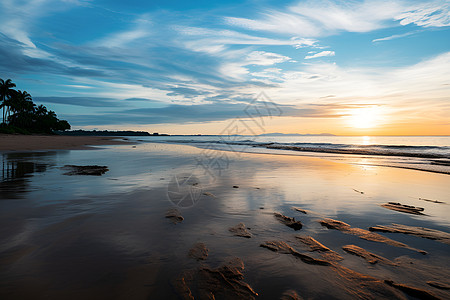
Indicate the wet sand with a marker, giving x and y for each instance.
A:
(12, 142)
(109, 236)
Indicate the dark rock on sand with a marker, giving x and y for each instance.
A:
(362, 286)
(303, 211)
(199, 251)
(439, 285)
(225, 282)
(282, 247)
(409, 209)
(357, 285)
(85, 170)
(368, 256)
(240, 230)
(433, 201)
(412, 291)
(427, 233)
(174, 215)
(288, 221)
(235, 186)
(364, 234)
(315, 246)
(290, 295)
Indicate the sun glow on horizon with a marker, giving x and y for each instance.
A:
(366, 117)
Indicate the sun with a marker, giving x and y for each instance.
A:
(366, 117)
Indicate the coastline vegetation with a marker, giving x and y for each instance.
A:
(20, 115)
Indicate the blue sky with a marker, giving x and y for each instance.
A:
(191, 66)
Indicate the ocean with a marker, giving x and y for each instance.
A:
(426, 153)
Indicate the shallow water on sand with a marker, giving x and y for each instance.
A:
(106, 236)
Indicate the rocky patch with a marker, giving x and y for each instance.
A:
(240, 230)
(423, 232)
(174, 215)
(288, 221)
(364, 234)
(282, 247)
(93, 170)
(409, 209)
(316, 246)
(199, 251)
(368, 256)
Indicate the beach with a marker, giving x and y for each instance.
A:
(164, 222)
(12, 142)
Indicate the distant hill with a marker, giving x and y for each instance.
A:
(295, 134)
(105, 133)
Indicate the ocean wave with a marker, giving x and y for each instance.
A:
(363, 150)
(419, 151)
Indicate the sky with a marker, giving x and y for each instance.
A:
(187, 67)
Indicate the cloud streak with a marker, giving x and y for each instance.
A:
(173, 114)
(428, 14)
(321, 54)
(395, 36)
(324, 18)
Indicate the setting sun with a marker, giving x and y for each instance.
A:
(367, 117)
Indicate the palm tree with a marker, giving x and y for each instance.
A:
(5, 92)
(20, 102)
(22, 106)
(41, 110)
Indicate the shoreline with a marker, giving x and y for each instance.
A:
(330, 158)
(14, 143)
(23, 143)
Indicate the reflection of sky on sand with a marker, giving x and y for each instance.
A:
(86, 226)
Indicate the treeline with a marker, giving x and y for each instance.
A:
(106, 133)
(21, 115)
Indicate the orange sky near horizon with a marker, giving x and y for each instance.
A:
(336, 126)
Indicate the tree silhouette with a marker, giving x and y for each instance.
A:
(22, 107)
(19, 111)
(5, 92)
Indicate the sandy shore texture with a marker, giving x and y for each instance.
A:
(156, 225)
(12, 142)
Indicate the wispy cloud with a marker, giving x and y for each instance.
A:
(323, 18)
(265, 58)
(80, 101)
(321, 54)
(395, 36)
(217, 41)
(18, 16)
(428, 14)
(280, 22)
(141, 29)
(352, 16)
(176, 114)
(425, 80)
